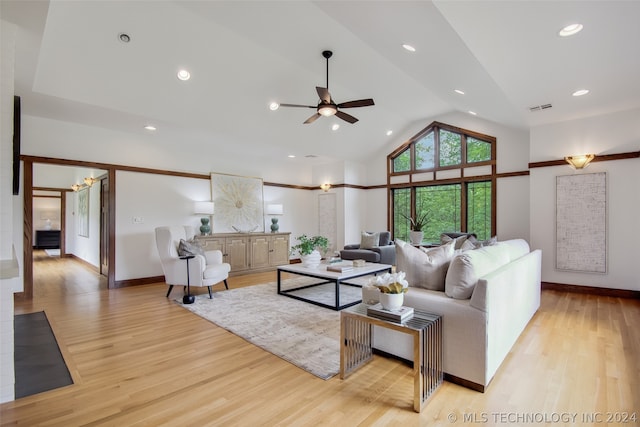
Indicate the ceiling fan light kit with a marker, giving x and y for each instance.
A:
(327, 107)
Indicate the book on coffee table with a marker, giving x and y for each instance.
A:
(399, 315)
(339, 268)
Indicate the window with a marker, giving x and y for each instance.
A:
(448, 173)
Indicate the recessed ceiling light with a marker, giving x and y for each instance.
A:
(459, 91)
(184, 75)
(291, 156)
(124, 37)
(409, 47)
(581, 92)
(570, 30)
(335, 126)
(274, 106)
(473, 113)
(389, 132)
(150, 127)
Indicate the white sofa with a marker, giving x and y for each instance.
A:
(478, 332)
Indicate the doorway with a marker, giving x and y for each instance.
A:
(86, 239)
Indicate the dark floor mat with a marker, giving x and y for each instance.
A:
(39, 365)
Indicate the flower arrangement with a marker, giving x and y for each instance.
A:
(309, 244)
(419, 221)
(390, 283)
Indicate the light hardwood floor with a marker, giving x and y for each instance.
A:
(139, 359)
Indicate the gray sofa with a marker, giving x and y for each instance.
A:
(383, 253)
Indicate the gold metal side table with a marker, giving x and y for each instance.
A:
(426, 329)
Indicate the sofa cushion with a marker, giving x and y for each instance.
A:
(517, 248)
(365, 254)
(369, 240)
(424, 268)
(467, 267)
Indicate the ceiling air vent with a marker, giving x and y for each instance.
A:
(311, 156)
(540, 107)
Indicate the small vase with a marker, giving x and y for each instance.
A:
(416, 237)
(391, 302)
(312, 260)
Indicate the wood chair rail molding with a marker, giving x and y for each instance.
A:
(116, 167)
(599, 158)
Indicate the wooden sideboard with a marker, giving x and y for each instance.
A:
(249, 252)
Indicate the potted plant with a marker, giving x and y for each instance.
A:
(392, 294)
(308, 249)
(416, 224)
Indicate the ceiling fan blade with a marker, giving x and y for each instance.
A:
(298, 105)
(312, 118)
(358, 103)
(324, 94)
(346, 117)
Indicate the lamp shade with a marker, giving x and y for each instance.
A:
(275, 210)
(204, 208)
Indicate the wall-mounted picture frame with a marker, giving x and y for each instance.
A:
(581, 222)
(83, 212)
(238, 204)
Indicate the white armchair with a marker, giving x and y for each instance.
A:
(204, 270)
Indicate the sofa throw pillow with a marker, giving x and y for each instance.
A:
(189, 247)
(458, 241)
(369, 240)
(424, 268)
(483, 243)
(385, 238)
(467, 267)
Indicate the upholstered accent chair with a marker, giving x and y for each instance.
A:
(373, 247)
(205, 268)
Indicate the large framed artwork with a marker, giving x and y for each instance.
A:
(238, 203)
(581, 222)
(83, 212)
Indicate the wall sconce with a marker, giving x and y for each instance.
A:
(580, 162)
(204, 208)
(274, 210)
(325, 187)
(77, 187)
(90, 181)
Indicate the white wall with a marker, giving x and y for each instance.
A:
(11, 277)
(613, 133)
(86, 248)
(160, 200)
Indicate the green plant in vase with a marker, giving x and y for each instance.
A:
(310, 244)
(417, 222)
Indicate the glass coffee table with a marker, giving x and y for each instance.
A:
(325, 276)
(426, 329)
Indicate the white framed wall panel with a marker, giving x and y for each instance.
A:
(581, 222)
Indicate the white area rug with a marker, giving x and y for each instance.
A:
(301, 333)
(52, 252)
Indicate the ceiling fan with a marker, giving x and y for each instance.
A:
(327, 107)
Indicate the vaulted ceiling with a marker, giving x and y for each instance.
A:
(242, 55)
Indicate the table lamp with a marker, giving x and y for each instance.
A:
(204, 208)
(275, 210)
